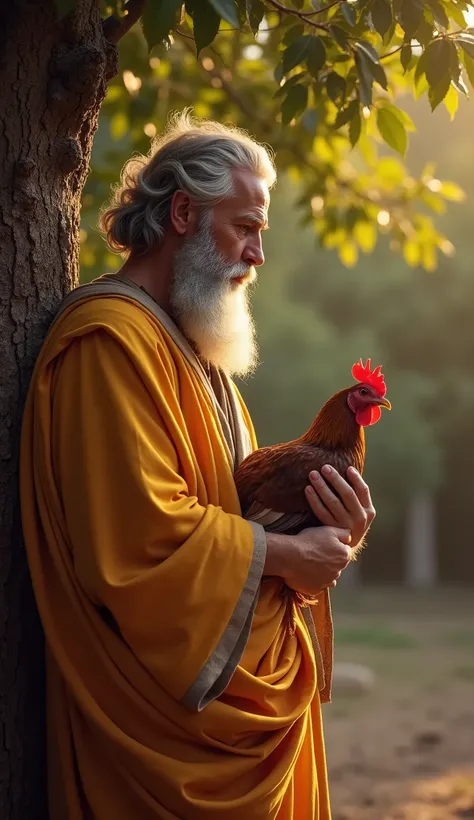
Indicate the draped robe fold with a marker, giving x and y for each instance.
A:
(175, 690)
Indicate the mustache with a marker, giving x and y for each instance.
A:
(239, 270)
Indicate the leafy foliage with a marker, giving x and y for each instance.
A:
(321, 82)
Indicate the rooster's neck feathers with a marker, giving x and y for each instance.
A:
(335, 426)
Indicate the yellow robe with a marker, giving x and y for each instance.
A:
(174, 688)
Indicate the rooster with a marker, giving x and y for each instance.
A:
(271, 481)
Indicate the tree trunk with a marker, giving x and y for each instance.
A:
(52, 82)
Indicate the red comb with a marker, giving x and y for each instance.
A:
(362, 373)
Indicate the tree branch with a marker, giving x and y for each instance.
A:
(115, 28)
(322, 10)
(300, 14)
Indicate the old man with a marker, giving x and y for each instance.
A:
(175, 688)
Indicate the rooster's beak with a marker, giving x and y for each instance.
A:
(384, 403)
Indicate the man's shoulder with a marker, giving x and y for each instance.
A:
(123, 320)
(122, 317)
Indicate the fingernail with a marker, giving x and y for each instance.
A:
(327, 469)
(310, 491)
(314, 475)
(353, 470)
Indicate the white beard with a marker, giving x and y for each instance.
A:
(211, 310)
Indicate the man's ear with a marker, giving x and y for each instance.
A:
(183, 214)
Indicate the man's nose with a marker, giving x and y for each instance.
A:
(253, 255)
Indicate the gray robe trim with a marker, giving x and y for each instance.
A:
(217, 672)
(221, 665)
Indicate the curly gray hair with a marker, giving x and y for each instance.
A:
(193, 156)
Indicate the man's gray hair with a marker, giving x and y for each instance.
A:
(193, 156)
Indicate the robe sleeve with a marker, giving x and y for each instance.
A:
(179, 578)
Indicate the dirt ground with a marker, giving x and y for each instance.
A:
(405, 749)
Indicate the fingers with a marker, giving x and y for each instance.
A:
(326, 502)
(362, 491)
(343, 535)
(319, 509)
(344, 490)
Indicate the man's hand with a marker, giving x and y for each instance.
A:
(310, 561)
(353, 510)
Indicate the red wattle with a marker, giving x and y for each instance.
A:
(368, 416)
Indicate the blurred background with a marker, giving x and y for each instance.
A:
(401, 729)
(315, 317)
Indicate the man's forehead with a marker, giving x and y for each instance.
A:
(250, 193)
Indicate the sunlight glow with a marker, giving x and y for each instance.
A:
(383, 218)
(252, 52)
(131, 82)
(469, 16)
(150, 129)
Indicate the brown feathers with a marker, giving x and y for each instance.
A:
(271, 481)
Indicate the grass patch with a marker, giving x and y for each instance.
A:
(460, 638)
(378, 637)
(464, 672)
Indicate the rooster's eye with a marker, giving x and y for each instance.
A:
(363, 391)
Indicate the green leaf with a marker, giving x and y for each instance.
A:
(406, 55)
(227, 9)
(421, 65)
(347, 114)
(381, 16)
(316, 55)
(467, 43)
(392, 130)
(280, 92)
(469, 66)
(451, 101)
(439, 13)
(295, 103)
(437, 93)
(456, 14)
(429, 256)
(425, 33)
(278, 72)
(438, 56)
(412, 253)
(296, 52)
(452, 192)
(391, 171)
(339, 35)
(336, 87)
(349, 13)
(365, 78)
(355, 127)
(410, 17)
(401, 115)
(460, 86)
(434, 202)
(158, 19)
(365, 234)
(205, 23)
(64, 7)
(255, 12)
(348, 253)
(378, 73)
(368, 50)
(293, 33)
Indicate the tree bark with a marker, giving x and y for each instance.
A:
(53, 77)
